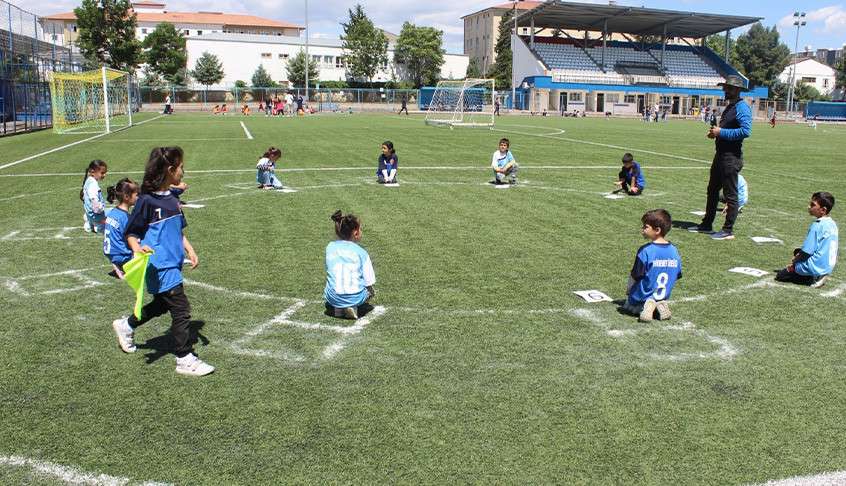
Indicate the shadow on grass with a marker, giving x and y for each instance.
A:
(684, 224)
(163, 345)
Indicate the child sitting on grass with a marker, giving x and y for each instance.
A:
(656, 268)
(504, 164)
(349, 271)
(813, 263)
(630, 179)
(386, 173)
(266, 169)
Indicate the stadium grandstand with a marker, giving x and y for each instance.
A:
(581, 69)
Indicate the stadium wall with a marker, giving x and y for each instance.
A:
(826, 111)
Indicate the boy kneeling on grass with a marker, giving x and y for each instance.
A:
(813, 263)
(656, 268)
(630, 179)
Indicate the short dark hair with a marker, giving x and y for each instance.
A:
(659, 219)
(628, 158)
(505, 141)
(825, 200)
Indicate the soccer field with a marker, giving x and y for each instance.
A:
(479, 363)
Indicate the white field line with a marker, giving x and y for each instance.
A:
(369, 168)
(159, 140)
(69, 475)
(35, 194)
(248, 295)
(837, 478)
(31, 234)
(31, 157)
(246, 132)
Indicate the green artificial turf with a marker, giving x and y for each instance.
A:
(484, 367)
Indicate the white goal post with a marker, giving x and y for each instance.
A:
(96, 101)
(462, 103)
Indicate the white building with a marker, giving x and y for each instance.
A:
(812, 72)
(241, 54)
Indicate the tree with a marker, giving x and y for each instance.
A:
(240, 84)
(419, 52)
(152, 80)
(717, 43)
(208, 70)
(107, 33)
(164, 52)
(841, 73)
(262, 79)
(473, 69)
(806, 92)
(761, 56)
(501, 69)
(296, 70)
(365, 46)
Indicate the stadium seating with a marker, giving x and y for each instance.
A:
(683, 66)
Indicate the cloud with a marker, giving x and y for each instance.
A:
(826, 20)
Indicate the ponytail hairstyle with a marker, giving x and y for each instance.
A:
(161, 160)
(93, 166)
(121, 191)
(272, 151)
(345, 225)
(390, 146)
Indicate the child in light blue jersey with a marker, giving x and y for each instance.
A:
(815, 260)
(504, 164)
(656, 268)
(124, 193)
(349, 271)
(92, 197)
(266, 169)
(157, 226)
(630, 179)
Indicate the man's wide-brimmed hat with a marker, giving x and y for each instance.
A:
(736, 81)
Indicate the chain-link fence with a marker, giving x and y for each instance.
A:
(27, 55)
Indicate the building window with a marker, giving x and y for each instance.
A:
(266, 55)
(806, 79)
(339, 62)
(283, 56)
(73, 27)
(630, 99)
(187, 32)
(327, 61)
(199, 32)
(575, 97)
(143, 31)
(825, 83)
(612, 97)
(666, 100)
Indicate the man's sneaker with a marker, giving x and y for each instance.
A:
(648, 311)
(346, 312)
(722, 235)
(513, 181)
(663, 309)
(701, 229)
(193, 366)
(125, 334)
(819, 282)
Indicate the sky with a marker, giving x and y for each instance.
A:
(826, 19)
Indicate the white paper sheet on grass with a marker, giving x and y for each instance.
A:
(766, 239)
(614, 196)
(593, 296)
(754, 272)
(193, 206)
(698, 213)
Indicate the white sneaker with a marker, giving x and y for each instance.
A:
(648, 311)
(663, 309)
(193, 366)
(125, 334)
(86, 227)
(819, 282)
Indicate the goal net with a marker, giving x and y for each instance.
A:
(91, 101)
(465, 103)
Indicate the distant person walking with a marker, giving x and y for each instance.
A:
(404, 105)
(168, 108)
(734, 126)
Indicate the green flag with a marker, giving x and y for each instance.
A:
(135, 271)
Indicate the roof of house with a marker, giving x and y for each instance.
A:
(209, 18)
(519, 5)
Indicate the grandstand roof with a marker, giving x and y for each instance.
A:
(630, 20)
(207, 18)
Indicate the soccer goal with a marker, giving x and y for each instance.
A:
(91, 101)
(465, 103)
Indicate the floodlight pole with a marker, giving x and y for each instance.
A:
(306, 50)
(798, 21)
(728, 44)
(513, 85)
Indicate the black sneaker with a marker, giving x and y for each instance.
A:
(701, 229)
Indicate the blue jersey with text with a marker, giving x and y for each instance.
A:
(635, 174)
(821, 243)
(656, 268)
(157, 221)
(114, 237)
(349, 272)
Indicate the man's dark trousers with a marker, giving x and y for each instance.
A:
(724, 171)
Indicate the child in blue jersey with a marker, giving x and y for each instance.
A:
(656, 268)
(630, 179)
(124, 193)
(742, 194)
(349, 271)
(266, 169)
(92, 197)
(386, 173)
(156, 226)
(813, 263)
(504, 164)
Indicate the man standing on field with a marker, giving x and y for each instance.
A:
(735, 125)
